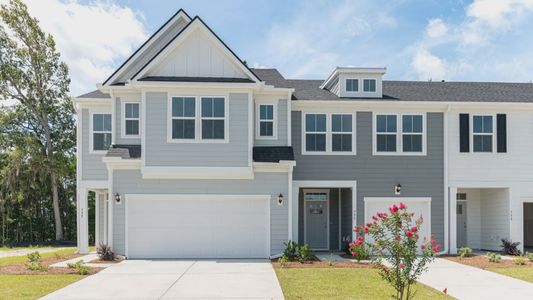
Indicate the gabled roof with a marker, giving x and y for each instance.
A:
(135, 57)
(96, 94)
(306, 89)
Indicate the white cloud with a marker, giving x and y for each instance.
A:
(428, 66)
(91, 37)
(436, 28)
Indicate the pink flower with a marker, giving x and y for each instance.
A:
(354, 253)
(409, 234)
(398, 238)
(432, 242)
(423, 246)
(401, 265)
(414, 229)
(366, 229)
(435, 248)
(374, 218)
(393, 208)
(402, 205)
(445, 291)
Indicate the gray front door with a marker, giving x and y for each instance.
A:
(316, 219)
(461, 224)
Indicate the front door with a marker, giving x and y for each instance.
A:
(316, 219)
(461, 224)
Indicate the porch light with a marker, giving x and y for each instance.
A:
(280, 199)
(117, 198)
(398, 189)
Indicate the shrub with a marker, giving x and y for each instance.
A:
(519, 261)
(283, 261)
(305, 254)
(105, 253)
(395, 239)
(294, 252)
(510, 248)
(79, 266)
(34, 256)
(34, 263)
(529, 256)
(465, 252)
(291, 250)
(358, 249)
(494, 257)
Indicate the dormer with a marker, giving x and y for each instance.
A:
(355, 82)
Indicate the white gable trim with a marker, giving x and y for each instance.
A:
(181, 14)
(196, 24)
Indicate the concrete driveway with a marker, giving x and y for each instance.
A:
(178, 279)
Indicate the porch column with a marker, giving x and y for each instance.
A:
(110, 201)
(83, 222)
(452, 195)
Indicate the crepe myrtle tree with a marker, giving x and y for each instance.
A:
(400, 255)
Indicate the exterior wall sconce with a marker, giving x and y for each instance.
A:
(398, 189)
(280, 199)
(117, 198)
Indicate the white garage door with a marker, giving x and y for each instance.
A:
(197, 226)
(419, 206)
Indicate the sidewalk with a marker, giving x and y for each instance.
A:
(25, 251)
(466, 282)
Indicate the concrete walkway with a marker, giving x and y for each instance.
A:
(178, 279)
(466, 282)
(87, 259)
(25, 251)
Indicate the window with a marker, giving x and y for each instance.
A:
(399, 134)
(482, 133)
(101, 132)
(386, 132)
(369, 85)
(213, 120)
(315, 132)
(266, 119)
(352, 85)
(341, 136)
(183, 118)
(131, 120)
(412, 133)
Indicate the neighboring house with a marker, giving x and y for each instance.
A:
(191, 154)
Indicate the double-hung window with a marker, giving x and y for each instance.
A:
(369, 85)
(352, 85)
(267, 121)
(213, 118)
(399, 134)
(482, 133)
(341, 132)
(183, 118)
(315, 132)
(101, 131)
(131, 119)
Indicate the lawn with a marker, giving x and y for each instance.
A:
(517, 272)
(22, 258)
(341, 283)
(33, 286)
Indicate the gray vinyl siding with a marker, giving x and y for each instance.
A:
(119, 122)
(150, 51)
(420, 176)
(92, 166)
(282, 127)
(131, 182)
(161, 153)
(346, 217)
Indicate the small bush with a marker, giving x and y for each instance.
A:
(34, 256)
(465, 252)
(529, 256)
(291, 250)
(283, 261)
(294, 252)
(358, 249)
(34, 263)
(510, 248)
(519, 261)
(79, 266)
(494, 257)
(105, 253)
(305, 254)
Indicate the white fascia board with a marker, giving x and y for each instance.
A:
(91, 101)
(197, 172)
(118, 163)
(283, 166)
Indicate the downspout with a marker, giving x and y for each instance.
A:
(446, 187)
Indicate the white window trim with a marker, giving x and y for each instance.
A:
(329, 133)
(399, 134)
(198, 121)
(123, 118)
(91, 132)
(493, 134)
(358, 84)
(363, 85)
(258, 135)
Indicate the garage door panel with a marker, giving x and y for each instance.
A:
(198, 227)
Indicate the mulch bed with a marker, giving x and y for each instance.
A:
(482, 262)
(321, 264)
(99, 261)
(20, 268)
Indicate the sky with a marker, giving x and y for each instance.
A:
(479, 40)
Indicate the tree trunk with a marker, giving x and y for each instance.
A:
(53, 177)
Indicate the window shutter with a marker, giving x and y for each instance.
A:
(464, 133)
(501, 133)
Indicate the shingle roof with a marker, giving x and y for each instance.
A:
(96, 94)
(272, 154)
(124, 151)
(410, 90)
(195, 79)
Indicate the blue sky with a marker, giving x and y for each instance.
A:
(479, 40)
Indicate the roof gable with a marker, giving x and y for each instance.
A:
(195, 52)
(151, 47)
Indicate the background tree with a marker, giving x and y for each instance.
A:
(38, 131)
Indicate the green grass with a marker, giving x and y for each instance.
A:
(33, 286)
(339, 283)
(523, 273)
(22, 258)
